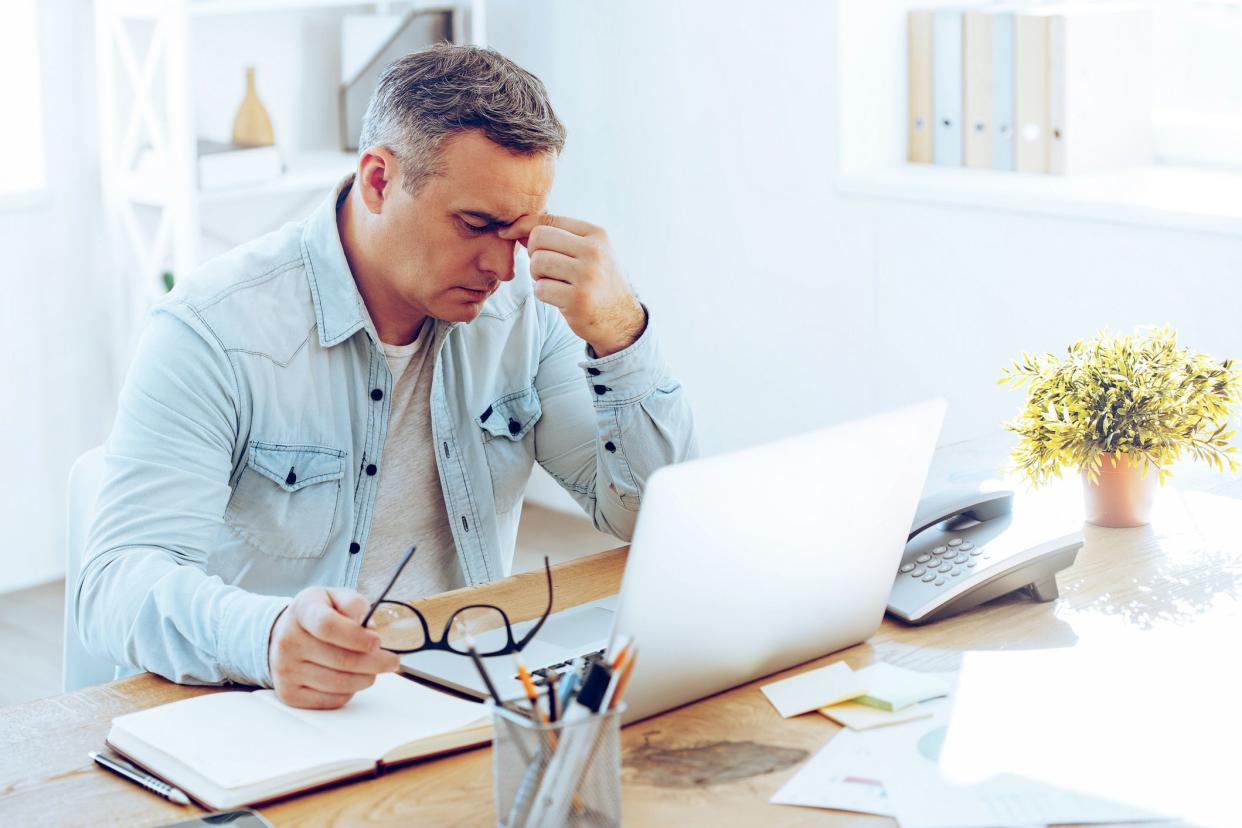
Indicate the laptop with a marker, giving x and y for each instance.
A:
(741, 565)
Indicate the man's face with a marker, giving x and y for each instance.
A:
(442, 255)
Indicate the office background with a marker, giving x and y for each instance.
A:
(742, 157)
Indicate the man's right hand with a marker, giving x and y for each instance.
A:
(319, 653)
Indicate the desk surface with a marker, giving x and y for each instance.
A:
(719, 759)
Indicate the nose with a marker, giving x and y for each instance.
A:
(497, 258)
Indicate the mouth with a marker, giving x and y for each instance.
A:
(478, 294)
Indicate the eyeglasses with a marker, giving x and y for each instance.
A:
(403, 629)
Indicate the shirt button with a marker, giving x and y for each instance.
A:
(514, 426)
(371, 470)
(601, 389)
(377, 394)
(353, 548)
(593, 372)
(291, 479)
(610, 446)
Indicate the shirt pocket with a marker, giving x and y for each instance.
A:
(286, 499)
(507, 425)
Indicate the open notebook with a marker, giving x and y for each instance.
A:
(241, 748)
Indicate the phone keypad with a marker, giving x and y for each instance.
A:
(945, 562)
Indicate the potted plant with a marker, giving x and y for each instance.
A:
(1117, 408)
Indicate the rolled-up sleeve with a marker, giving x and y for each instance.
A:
(608, 423)
(143, 597)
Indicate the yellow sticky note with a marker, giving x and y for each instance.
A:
(813, 689)
(889, 687)
(858, 716)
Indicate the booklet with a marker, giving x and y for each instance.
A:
(240, 748)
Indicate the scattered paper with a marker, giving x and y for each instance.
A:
(892, 688)
(859, 716)
(813, 689)
(841, 776)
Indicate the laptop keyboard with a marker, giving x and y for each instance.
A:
(540, 674)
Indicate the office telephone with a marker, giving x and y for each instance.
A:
(966, 548)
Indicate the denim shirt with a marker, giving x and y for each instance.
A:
(243, 464)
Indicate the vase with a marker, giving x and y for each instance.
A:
(1123, 495)
(252, 127)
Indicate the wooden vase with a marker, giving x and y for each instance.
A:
(1123, 496)
(252, 127)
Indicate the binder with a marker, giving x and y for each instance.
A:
(1002, 91)
(919, 89)
(1101, 88)
(977, 125)
(1031, 35)
(947, 86)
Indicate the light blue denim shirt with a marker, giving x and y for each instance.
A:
(243, 464)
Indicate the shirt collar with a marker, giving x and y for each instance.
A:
(338, 305)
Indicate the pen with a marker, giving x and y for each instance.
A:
(531, 693)
(135, 774)
(552, 679)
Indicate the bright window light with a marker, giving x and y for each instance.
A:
(21, 137)
(1198, 102)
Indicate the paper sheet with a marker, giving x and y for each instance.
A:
(813, 689)
(889, 687)
(841, 776)
(859, 716)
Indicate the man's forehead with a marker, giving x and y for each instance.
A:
(485, 179)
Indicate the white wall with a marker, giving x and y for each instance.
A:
(54, 368)
(704, 137)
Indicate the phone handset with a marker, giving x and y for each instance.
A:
(975, 506)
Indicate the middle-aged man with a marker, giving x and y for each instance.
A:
(383, 374)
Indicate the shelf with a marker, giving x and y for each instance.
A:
(1171, 198)
(305, 172)
(210, 8)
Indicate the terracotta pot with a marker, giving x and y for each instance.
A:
(1123, 497)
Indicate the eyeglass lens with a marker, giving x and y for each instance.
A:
(398, 627)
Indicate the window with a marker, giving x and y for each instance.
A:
(22, 163)
(1198, 95)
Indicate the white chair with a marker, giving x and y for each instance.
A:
(81, 669)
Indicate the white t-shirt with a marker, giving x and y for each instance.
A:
(409, 504)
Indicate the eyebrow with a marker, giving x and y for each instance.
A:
(487, 217)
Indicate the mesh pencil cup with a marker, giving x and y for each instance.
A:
(567, 773)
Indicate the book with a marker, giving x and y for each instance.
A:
(947, 86)
(1002, 91)
(236, 748)
(1031, 35)
(1101, 87)
(223, 165)
(977, 56)
(919, 44)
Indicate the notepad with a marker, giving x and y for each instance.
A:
(858, 716)
(892, 688)
(813, 689)
(240, 748)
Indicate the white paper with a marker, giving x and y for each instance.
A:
(841, 776)
(1149, 718)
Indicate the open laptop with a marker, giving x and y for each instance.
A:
(742, 565)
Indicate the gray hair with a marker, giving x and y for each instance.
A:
(430, 95)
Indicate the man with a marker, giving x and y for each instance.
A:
(383, 374)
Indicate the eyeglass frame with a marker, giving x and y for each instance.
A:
(513, 645)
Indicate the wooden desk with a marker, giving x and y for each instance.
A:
(718, 760)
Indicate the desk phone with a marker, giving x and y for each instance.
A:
(968, 548)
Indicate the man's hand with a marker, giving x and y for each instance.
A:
(575, 270)
(319, 653)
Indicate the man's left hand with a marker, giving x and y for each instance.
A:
(574, 269)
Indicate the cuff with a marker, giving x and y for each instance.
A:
(244, 636)
(630, 374)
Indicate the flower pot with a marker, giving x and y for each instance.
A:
(1123, 497)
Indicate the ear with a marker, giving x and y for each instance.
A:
(377, 175)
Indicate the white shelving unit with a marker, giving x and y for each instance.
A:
(147, 68)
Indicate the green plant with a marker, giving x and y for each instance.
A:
(1138, 395)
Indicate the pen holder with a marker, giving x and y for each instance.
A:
(567, 773)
